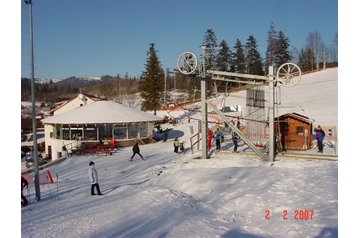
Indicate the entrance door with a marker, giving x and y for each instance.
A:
(49, 149)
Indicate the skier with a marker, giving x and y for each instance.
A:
(136, 150)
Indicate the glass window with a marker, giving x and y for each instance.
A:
(299, 130)
(65, 133)
(120, 132)
(105, 131)
(143, 130)
(90, 132)
(132, 131)
(76, 133)
(57, 132)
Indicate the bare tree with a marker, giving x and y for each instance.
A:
(315, 43)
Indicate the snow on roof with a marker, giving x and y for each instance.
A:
(101, 112)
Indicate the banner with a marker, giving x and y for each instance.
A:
(45, 177)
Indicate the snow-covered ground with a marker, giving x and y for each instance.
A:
(178, 195)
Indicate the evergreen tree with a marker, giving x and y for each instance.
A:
(282, 53)
(211, 43)
(224, 60)
(271, 48)
(151, 83)
(253, 58)
(238, 58)
(211, 56)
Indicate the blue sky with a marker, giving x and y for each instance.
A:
(110, 37)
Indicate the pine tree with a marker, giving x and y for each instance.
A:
(211, 43)
(238, 58)
(224, 60)
(211, 56)
(282, 53)
(253, 58)
(151, 83)
(271, 48)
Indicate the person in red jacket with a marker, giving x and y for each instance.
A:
(24, 183)
(210, 138)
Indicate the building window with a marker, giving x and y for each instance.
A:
(76, 133)
(105, 131)
(299, 130)
(65, 133)
(133, 130)
(57, 132)
(143, 130)
(90, 132)
(120, 132)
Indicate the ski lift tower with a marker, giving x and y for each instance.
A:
(288, 74)
(188, 65)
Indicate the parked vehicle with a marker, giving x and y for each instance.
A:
(29, 157)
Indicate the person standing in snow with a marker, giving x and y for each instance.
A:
(319, 137)
(93, 175)
(210, 138)
(166, 133)
(136, 150)
(176, 144)
(24, 183)
(235, 139)
(217, 135)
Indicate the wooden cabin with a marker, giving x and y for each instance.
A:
(294, 131)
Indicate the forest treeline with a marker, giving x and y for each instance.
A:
(155, 83)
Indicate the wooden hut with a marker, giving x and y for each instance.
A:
(294, 131)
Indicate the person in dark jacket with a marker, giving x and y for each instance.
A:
(24, 183)
(92, 172)
(319, 137)
(136, 150)
(235, 140)
(218, 138)
(166, 133)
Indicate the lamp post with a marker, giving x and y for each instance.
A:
(34, 130)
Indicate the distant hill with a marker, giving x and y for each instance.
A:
(75, 81)
(57, 89)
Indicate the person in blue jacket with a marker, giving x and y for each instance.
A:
(319, 137)
(217, 135)
(92, 172)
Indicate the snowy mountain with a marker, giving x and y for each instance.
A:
(41, 81)
(89, 78)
